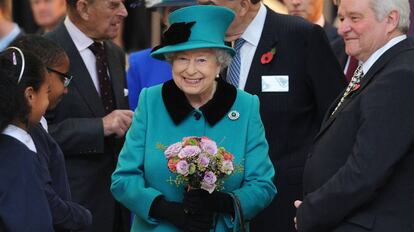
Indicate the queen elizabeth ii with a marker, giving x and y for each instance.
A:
(194, 103)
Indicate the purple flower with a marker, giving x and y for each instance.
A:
(189, 151)
(209, 146)
(209, 181)
(227, 167)
(208, 187)
(203, 161)
(173, 150)
(182, 167)
(209, 177)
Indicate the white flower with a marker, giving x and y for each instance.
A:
(227, 167)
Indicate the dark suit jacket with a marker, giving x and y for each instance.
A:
(292, 118)
(359, 173)
(66, 215)
(23, 204)
(337, 43)
(76, 124)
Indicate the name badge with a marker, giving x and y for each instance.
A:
(276, 83)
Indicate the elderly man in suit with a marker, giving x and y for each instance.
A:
(288, 63)
(89, 124)
(358, 176)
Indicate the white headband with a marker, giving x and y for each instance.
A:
(15, 63)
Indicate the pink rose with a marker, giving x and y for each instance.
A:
(173, 150)
(208, 145)
(182, 167)
(189, 151)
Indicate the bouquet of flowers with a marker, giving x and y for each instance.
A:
(199, 163)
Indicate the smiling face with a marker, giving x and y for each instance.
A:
(194, 72)
(103, 18)
(363, 33)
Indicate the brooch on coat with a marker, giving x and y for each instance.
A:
(234, 115)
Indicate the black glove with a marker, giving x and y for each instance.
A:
(175, 213)
(199, 200)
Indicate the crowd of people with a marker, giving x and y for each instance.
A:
(316, 121)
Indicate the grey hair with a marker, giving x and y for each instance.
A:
(382, 8)
(222, 55)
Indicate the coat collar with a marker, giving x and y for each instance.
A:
(214, 110)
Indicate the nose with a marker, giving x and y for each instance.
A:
(191, 68)
(123, 11)
(296, 2)
(344, 27)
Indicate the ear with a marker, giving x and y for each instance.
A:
(393, 19)
(82, 6)
(244, 7)
(218, 71)
(29, 95)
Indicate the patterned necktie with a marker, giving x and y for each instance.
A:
(234, 67)
(105, 86)
(356, 78)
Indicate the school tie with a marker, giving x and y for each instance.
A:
(234, 67)
(105, 86)
(356, 78)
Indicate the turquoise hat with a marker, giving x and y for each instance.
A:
(193, 27)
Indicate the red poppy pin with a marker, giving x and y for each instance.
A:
(268, 56)
(356, 87)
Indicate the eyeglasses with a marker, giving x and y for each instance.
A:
(65, 76)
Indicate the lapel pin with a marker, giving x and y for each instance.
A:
(234, 115)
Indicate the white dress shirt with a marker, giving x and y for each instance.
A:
(43, 122)
(6, 40)
(21, 135)
(252, 36)
(82, 42)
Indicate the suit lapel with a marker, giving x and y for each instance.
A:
(368, 78)
(116, 74)
(268, 40)
(82, 80)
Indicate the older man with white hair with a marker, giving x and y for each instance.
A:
(358, 176)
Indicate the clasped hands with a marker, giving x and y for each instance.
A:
(196, 213)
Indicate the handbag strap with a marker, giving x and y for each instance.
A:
(238, 211)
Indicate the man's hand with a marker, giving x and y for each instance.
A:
(297, 205)
(117, 122)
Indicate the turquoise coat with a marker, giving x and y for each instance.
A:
(164, 117)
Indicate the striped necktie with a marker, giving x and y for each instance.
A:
(234, 68)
